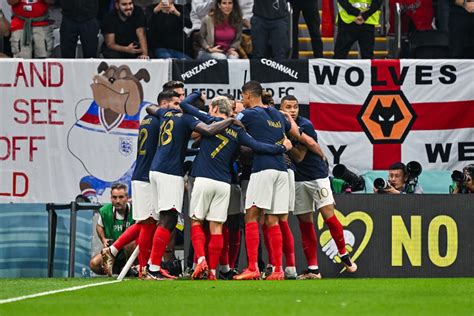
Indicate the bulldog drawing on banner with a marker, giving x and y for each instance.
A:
(103, 138)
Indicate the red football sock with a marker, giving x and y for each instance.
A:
(215, 248)
(198, 239)
(267, 242)
(129, 235)
(145, 241)
(252, 239)
(224, 259)
(288, 244)
(337, 234)
(276, 244)
(234, 246)
(207, 233)
(310, 243)
(160, 240)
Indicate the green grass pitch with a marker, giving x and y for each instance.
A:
(315, 297)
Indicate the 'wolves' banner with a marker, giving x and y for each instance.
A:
(70, 127)
(370, 114)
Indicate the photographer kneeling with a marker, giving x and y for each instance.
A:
(400, 180)
(463, 182)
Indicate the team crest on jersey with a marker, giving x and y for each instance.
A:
(125, 146)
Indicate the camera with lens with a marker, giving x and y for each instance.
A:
(381, 184)
(460, 177)
(414, 170)
(353, 181)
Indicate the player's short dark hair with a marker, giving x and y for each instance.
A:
(167, 95)
(288, 97)
(253, 87)
(229, 96)
(119, 186)
(267, 98)
(399, 166)
(173, 84)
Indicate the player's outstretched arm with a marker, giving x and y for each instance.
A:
(152, 109)
(214, 128)
(260, 147)
(187, 107)
(311, 144)
(298, 153)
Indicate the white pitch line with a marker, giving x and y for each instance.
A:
(75, 288)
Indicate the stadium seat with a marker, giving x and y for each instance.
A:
(429, 44)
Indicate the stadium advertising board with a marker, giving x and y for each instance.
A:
(398, 236)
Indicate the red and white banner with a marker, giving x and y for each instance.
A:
(69, 126)
(370, 114)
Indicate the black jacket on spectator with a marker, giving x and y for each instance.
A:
(166, 30)
(270, 9)
(80, 10)
(125, 31)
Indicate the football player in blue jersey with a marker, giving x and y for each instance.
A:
(211, 193)
(313, 188)
(144, 213)
(166, 175)
(268, 187)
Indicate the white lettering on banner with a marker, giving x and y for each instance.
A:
(282, 68)
(194, 71)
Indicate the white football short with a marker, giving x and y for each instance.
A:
(142, 201)
(269, 190)
(235, 203)
(291, 186)
(310, 193)
(210, 200)
(167, 191)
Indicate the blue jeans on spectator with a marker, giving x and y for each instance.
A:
(165, 53)
(273, 32)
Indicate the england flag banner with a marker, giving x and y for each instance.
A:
(70, 127)
(370, 114)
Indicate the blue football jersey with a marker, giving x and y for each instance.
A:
(147, 142)
(175, 130)
(217, 153)
(267, 125)
(312, 166)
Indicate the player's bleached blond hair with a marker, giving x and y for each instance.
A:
(223, 104)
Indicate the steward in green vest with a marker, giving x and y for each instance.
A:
(356, 23)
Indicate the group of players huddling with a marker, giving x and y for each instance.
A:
(282, 169)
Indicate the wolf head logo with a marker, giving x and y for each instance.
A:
(386, 116)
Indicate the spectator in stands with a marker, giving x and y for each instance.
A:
(147, 6)
(270, 24)
(310, 11)
(79, 20)
(464, 185)
(461, 29)
(221, 31)
(124, 32)
(398, 182)
(4, 25)
(356, 23)
(114, 219)
(165, 34)
(31, 34)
